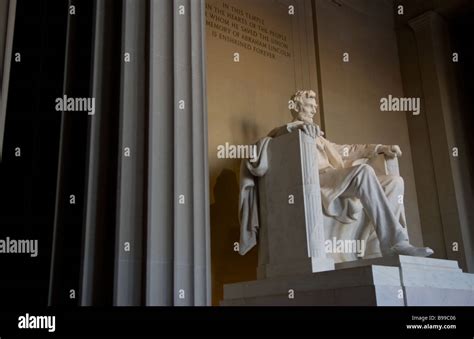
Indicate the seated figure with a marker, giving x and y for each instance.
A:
(348, 184)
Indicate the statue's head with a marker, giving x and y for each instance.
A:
(303, 105)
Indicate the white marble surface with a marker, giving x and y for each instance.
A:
(300, 173)
(292, 235)
(405, 261)
(360, 276)
(394, 281)
(370, 285)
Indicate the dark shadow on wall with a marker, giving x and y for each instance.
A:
(461, 34)
(249, 130)
(227, 265)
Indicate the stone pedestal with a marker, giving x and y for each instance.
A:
(393, 281)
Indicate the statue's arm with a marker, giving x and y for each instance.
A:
(357, 151)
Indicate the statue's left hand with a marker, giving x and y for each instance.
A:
(391, 151)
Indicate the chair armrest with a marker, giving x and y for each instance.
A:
(383, 165)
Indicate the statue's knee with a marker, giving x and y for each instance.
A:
(365, 174)
(367, 170)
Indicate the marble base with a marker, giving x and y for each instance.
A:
(393, 281)
(296, 267)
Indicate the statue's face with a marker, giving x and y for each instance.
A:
(307, 110)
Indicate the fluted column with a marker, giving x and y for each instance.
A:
(202, 255)
(131, 188)
(159, 280)
(100, 203)
(178, 223)
(147, 175)
(7, 25)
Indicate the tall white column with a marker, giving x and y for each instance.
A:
(178, 267)
(160, 247)
(131, 187)
(156, 199)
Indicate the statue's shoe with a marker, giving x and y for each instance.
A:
(404, 248)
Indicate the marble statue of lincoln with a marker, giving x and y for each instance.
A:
(345, 180)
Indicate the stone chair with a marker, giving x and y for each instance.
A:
(293, 228)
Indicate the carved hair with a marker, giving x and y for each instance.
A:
(297, 100)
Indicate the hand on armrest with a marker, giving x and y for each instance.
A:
(391, 151)
(384, 165)
(313, 130)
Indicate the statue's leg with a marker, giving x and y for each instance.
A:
(368, 189)
(394, 189)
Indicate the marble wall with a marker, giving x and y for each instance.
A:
(247, 99)
(352, 91)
